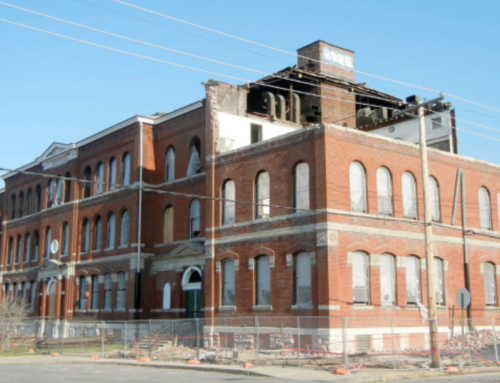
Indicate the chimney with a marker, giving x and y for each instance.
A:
(333, 60)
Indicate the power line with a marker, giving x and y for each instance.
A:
(297, 55)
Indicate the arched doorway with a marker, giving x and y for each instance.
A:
(191, 283)
(52, 298)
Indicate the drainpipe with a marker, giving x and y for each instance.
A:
(139, 231)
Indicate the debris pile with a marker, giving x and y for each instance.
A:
(475, 339)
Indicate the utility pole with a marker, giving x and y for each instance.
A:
(429, 252)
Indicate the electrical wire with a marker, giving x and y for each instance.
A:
(300, 56)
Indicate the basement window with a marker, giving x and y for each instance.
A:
(256, 133)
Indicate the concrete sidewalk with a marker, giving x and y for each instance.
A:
(288, 373)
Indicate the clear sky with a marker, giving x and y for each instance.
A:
(58, 90)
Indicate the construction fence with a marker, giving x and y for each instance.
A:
(316, 342)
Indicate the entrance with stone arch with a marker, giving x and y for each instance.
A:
(191, 284)
(52, 298)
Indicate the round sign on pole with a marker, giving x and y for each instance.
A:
(463, 298)
(54, 246)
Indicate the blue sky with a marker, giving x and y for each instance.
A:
(58, 90)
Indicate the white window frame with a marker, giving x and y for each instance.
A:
(124, 228)
(262, 195)
(303, 279)
(263, 281)
(484, 208)
(434, 197)
(387, 280)
(112, 174)
(110, 238)
(108, 291)
(439, 281)
(384, 191)
(301, 186)
(357, 187)
(170, 164)
(361, 278)
(94, 298)
(121, 291)
(228, 203)
(490, 286)
(126, 169)
(167, 296)
(228, 283)
(409, 193)
(194, 219)
(99, 187)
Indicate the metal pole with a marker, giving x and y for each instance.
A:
(149, 337)
(393, 345)
(298, 340)
(344, 342)
(257, 342)
(197, 339)
(125, 340)
(102, 339)
(494, 338)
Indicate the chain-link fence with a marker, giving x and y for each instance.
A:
(315, 342)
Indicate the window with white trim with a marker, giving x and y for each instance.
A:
(484, 208)
(387, 279)
(85, 235)
(490, 286)
(97, 244)
(357, 187)
(170, 165)
(82, 291)
(99, 187)
(263, 281)
(48, 240)
(121, 291)
(301, 186)
(27, 248)
(439, 281)
(19, 246)
(108, 286)
(65, 239)
(228, 283)
(194, 219)
(59, 186)
(412, 280)
(228, 204)
(360, 277)
(384, 191)
(434, 197)
(302, 280)
(110, 239)
(94, 298)
(124, 228)
(166, 296)
(126, 169)
(50, 193)
(409, 188)
(112, 174)
(262, 196)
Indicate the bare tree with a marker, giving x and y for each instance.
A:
(12, 314)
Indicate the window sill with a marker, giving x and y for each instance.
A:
(227, 308)
(109, 249)
(439, 307)
(84, 253)
(105, 310)
(120, 310)
(262, 308)
(93, 310)
(362, 307)
(77, 311)
(96, 251)
(302, 307)
(492, 308)
(122, 247)
(390, 308)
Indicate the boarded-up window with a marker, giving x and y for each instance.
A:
(484, 208)
(439, 280)
(301, 186)
(97, 234)
(124, 228)
(263, 281)
(168, 225)
(409, 188)
(412, 280)
(95, 293)
(112, 174)
(121, 293)
(194, 219)
(99, 178)
(170, 165)
(434, 196)
(85, 235)
(110, 244)
(384, 191)
(262, 195)
(360, 277)
(228, 204)
(126, 169)
(166, 296)
(303, 293)
(357, 184)
(490, 287)
(387, 280)
(228, 283)
(107, 291)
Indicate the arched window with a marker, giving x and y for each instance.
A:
(384, 191)
(439, 281)
(166, 296)
(107, 291)
(65, 239)
(16, 291)
(10, 251)
(48, 240)
(36, 245)
(301, 186)
(387, 280)
(27, 248)
(12, 206)
(360, 277)
(110, 244)
(87, 187)
(168, 225)
(263, 281)
(126, 169)
(85, 235)
(32, 295)
(194, 219)
(170, 165)
(38, 198)
(59, 187)
(67, 187)
(82, 291)
(19, 246)
(490, 286)
(99, 177)
(484, 208)
(21, 204)
(121, 291)
(409, 188)
(357, 184)
(262, 196)
(228, 283)
(24, 289)
(112, 174)
(94, 298)
(97, 244)
(228, 204)
(29, 205)
(124, 228)
(194, 165)
(50, 193)
(434, 194)
(302, 279)
(412, 280)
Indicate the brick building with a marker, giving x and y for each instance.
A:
(327, 219)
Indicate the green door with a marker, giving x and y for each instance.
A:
(193, 304)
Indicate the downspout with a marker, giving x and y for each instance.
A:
(139, 230)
